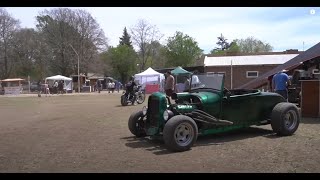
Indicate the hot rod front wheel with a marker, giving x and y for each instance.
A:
(180, 133)
(136, 124)
(285, 119)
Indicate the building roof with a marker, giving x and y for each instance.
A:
(248, 60)
(12, 80)
(95, 76)
(309, 54)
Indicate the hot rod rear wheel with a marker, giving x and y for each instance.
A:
(136, 124)
(180, 133)
(285, 119)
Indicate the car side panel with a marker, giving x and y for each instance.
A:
(249, 108)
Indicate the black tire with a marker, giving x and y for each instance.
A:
(285, 119)
(136, 124)
(124, 100)
(140, 98)
(172, 129)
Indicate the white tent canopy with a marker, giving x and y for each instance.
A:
(150, 76)
(67, 81)
(58, 78)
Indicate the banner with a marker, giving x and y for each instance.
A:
(12, 90)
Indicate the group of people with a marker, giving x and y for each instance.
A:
(56, 88)
(111, 86)
(170, 82)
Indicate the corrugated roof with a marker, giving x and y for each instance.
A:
(248, 60)
(309, 54)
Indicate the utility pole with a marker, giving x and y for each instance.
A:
(78, 67)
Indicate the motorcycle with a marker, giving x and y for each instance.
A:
(139, 96)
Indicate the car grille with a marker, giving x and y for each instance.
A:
(153, 110)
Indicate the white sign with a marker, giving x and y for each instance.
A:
(12, 90)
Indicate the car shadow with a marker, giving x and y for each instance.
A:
(154, 145)
(157, 146)
(310, 120)
(220, 139)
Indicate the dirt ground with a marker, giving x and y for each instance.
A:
(89, 133)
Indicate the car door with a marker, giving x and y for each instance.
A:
(240, 109)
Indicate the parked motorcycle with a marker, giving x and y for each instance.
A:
(139, 96)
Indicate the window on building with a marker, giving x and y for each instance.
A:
(252, 74)
(210, 73)
(222, 73)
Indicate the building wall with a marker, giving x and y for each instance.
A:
(239, 73)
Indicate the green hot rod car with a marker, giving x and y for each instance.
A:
(209, 108)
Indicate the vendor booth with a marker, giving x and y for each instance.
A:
(151, 80)
(180, 75)
(12, 86)
(67, 82)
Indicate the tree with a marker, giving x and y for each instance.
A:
(8, 26)
(62, 29)
(253, 45)
(231, 48)
(25, 52)
(248, 45)
(125, 39)
(222, 42)
(143, 34)
(157, 58)
(182, 50)
(123, 61)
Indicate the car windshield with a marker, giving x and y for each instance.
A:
(211, 81)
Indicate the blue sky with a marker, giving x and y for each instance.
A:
(283, 28)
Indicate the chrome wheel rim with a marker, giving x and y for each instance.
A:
(183, 134)
(290, 119)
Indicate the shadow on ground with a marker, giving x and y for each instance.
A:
(157, 146)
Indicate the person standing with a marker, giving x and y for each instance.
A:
(186, 84)
(117, 84)
(109, 86)
(60, 86)
(169, 84)
(99, 85)
(55, 87)
(39, 88)
(280, 81)
(112, 86)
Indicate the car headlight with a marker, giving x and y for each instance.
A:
(144, 110)
(166, 115)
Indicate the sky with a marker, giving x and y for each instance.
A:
(283, 28)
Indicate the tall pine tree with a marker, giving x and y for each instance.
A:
(125, 39)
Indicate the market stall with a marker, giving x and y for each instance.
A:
(67, 82)
(180, 75)
(12, 86)
(151, 80)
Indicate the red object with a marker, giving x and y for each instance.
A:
(151, 88)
